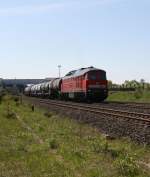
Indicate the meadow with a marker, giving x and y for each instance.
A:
(137, 96)
(39, 143)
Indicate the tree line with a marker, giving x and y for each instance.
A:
(129, 85)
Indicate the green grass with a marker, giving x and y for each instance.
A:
(137, 96)
(46, 145)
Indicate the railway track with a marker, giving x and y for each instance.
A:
(144, 106)
(140, 108)
(137, 118)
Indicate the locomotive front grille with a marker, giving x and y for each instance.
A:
(97, 93)
(98, 86)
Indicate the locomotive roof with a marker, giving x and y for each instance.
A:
(81, 72)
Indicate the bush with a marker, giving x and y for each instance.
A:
(127, 166)
(2, 94)
(53, 144)
(100, 146)
(0, 99)
(79, 154)
(138, 93)
(16, 99)
(103, 147)
(11, 115)
(48, 114)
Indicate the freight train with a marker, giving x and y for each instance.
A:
(85, 84)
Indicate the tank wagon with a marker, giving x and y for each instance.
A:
(83, 84)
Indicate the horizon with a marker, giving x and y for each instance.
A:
(64, 75)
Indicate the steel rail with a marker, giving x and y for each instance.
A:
(131, 104)
(104, 111)
(143, 115)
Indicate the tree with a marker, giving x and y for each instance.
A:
(110, 84)
(142, 81)
(127, 83)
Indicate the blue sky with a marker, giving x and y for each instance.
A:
(38, 35)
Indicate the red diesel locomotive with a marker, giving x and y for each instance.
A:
(83, 84)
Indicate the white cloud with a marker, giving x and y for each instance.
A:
(27, 10)
(31, 9)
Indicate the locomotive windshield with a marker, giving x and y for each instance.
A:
(97, 75)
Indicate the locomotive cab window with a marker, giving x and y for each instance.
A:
(97, 75)
(102, 75)
(92, 75)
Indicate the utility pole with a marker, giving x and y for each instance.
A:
(59, 69)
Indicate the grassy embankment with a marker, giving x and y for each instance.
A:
(137, 96)
(39, 144)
